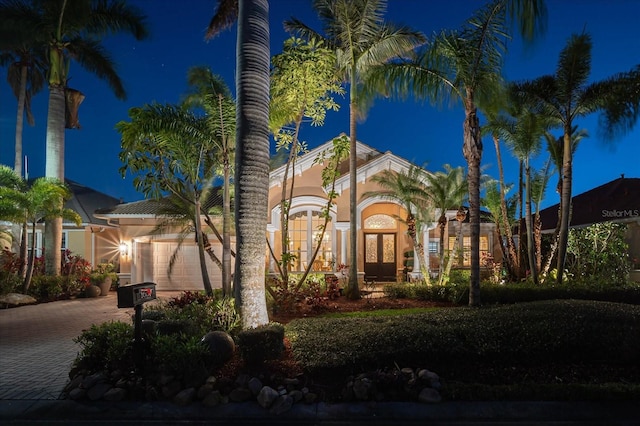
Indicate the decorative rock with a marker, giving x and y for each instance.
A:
(17, 299)
(220, 345)
(211, 380)
(281, 405)
(185, 397)
(362, 388)
(165, 379)
(98, 390)
(429, 396)
(89, 381)
(267, 396)
(77, 393)
(240, 395)
(172, 388)
(427, 375)
(296, 395)
(242, 380)
(254, 385)
(213, 399)
(115, 394)
(204, 390)
(73, 384)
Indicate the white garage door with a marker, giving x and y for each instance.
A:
(186, 273)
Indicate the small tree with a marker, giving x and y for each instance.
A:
(302, 81)
(599, 252)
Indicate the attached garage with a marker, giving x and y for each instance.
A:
(186, 273)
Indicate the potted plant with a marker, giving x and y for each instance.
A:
(103, 277)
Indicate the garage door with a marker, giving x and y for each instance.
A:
(186, 273)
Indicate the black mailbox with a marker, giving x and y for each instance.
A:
(135, 294)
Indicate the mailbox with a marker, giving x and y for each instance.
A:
(135, 294)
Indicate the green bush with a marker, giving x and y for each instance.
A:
(46, 287)
(106, 346)
(181, 355)
(398, 290)
(10, 282)
(261, 343)
(536, 333)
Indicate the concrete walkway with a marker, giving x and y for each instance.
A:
(37, 351)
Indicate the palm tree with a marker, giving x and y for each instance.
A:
(172, 151)
(466, 65)
(25, 55)
(33, 203)
(208, 91)
(566, 96)
(447, 190)
(252, 151)
(409, 189)
(72, 29)
(355, 30)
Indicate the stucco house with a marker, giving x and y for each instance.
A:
(125, 233)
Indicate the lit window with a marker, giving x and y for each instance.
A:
(304, 235)
(380, 221)
(466, 248)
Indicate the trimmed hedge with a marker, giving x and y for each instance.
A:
(562, 331)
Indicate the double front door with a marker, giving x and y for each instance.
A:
(380, 256)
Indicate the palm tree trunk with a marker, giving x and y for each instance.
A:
(54, 168)
(472, 151)
(252, 160)
(206, 280)
(226, 229)
(442, 223)
(353, 289)
(32, 256)
(20, 120)
(565, 202)
(529, 222)
(512, 255)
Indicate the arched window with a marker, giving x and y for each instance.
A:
(304, 232)
(380, 221)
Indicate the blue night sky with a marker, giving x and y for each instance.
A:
(154, 70)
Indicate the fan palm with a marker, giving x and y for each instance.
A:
(567, 95)
(356, 31)
(465, 65)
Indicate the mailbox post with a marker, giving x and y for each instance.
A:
(134, 296)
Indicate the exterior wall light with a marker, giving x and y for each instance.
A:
(124, 249)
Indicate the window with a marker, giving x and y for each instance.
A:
(380, 221)
(40, 242)
(434, 247)
(466, 248)
(304, 233)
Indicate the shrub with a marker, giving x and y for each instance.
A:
(398, 290)
(10, 282)
(46, 287)
(106, 346)
(261, 343)
(181, 355)
(538, 333)
(225, 318)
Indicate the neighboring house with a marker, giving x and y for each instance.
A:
(617, 201)
(144, 255)
(94, 240)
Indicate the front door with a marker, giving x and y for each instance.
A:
(380, 257)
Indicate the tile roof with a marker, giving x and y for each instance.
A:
(616, 200)
(153, 207)
(85, 201)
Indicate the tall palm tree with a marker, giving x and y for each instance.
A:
(467, 66)
(208, 91)
(447, 190)
(252, 151)
(72, 29)
(409, 189)
(356, 31)
(567, 95)
(25, 55)
(32, 203)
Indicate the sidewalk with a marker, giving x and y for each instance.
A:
(37, 351)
